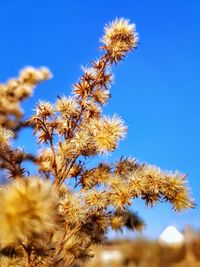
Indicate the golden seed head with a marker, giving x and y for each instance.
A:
(72, 209)
(34, 76)
(67, 106)
(29, 209)
(120, 37)
(6, 136)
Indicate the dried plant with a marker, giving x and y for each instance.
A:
(54, 218)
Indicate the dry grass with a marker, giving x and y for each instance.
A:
(145, 253)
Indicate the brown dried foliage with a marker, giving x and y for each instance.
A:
(54, 218)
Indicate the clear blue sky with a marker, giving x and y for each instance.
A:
(156, 90)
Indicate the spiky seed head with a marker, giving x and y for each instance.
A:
(120, 37)
(67, 106)
(6, 136)
(28, 209)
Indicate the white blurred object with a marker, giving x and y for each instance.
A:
(110, 256)
(171, 236)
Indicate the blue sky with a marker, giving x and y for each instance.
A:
(156, 90)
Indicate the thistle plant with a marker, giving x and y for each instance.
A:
(54, 218)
